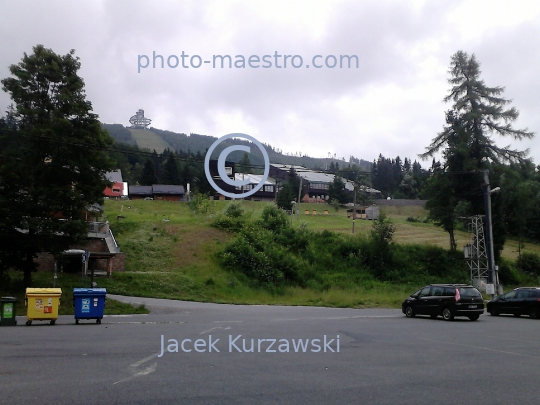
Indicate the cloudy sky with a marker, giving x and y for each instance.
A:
(391, 103)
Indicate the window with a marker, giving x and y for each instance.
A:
(415, 295)
(319, 186)
(469, 292)
(437, 291)
(449, 291)
(424, 292)
(269, 189)
(509, 295)
(523, 294)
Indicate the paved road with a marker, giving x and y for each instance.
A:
(383, 358)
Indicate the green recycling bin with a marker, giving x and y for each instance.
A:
(8, 311)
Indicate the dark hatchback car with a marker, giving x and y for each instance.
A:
(448, 300)
(521, 301)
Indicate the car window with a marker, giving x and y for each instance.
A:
(509, 295)
(525, 294)
(415, 294)
(424, 292)
(449, 291)
(469, 292)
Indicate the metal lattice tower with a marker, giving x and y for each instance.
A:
(475, 252)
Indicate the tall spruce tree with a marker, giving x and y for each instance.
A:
(148, 175)
(478, 112)
(53, 159)
(171, 174)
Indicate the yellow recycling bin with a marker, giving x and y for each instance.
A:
(42, 304)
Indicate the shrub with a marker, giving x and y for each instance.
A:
(229, 224)
(529, 262)
(508, 274)
(274, 219)
(234, 210)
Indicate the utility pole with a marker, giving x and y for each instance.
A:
(492, 278)
(299, 194)
(354, 206)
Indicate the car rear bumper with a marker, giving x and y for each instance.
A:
(468, 311)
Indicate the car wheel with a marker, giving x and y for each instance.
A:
(409, 312)
(433, 316)
(474, 317)
(494, 312)
(447, 314)
(533, 313)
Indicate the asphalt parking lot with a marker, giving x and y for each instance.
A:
(383, 358)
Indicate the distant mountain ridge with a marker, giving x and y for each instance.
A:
(159, 140)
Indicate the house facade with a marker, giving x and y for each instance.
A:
(157, 192)
(266, 193)
(117, 188)
(104, 255)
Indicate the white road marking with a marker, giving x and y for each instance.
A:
(144, 360)
(480, 347)
(132, 369)
(215, 327)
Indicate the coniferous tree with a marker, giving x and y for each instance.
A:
(477, 113)
(53, 161)
(171, 174)
(148, 175)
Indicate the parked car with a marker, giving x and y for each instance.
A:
(447, 300)
(521, 301)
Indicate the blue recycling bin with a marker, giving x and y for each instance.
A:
(89, 303)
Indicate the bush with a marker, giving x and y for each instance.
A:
(234, 210)
(229, 224)
(508, 274)
(274, 254)
(529, 263)
(274, 219)
(202, 204)
(258, 257)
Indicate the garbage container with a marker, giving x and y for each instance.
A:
(89, 303)
(8, 311)
(42, 304)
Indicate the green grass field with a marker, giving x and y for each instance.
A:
(149, 140)
(171, 253)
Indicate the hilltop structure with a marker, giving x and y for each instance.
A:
(139, 121)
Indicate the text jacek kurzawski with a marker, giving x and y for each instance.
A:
(238, 344)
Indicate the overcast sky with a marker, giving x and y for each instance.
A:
(390, 104)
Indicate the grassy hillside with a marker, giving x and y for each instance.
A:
(159, 140)
(171, 252)
(146, 138)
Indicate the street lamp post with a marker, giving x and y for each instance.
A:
(492, 277)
